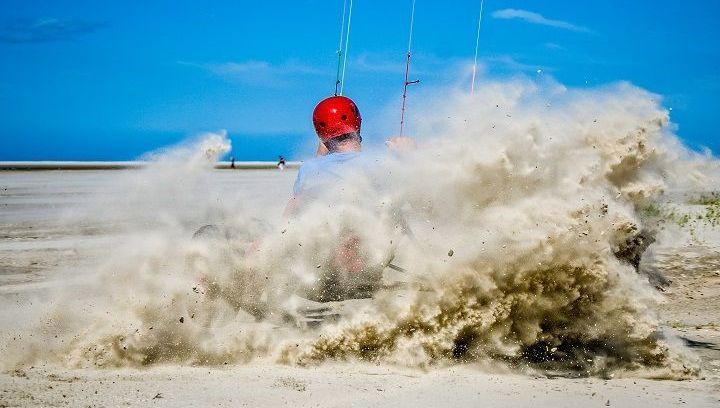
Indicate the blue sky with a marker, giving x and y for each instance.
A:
(109, 80)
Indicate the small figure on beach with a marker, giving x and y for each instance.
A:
(232, 162)
(281, 163)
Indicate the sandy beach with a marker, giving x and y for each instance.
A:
(43, 243)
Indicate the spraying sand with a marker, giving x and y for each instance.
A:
(507, 219)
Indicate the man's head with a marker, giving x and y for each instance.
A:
(337, 123)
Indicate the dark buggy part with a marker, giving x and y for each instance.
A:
(309, 314)
(632, 250)
(327, 302)
(211, 231)
(254, 228)
(220, 237)
(313, 317)
(337, 285)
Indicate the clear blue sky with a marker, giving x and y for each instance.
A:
(109, 80)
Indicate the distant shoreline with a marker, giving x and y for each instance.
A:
(121, 165)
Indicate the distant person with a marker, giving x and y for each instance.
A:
(232, 162)
(281, 163)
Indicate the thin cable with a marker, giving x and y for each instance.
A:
(477, 47)
(340, 47)
(412, 23)
(407, 70)
(347, 41)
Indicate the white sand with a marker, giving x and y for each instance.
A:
(340, 385)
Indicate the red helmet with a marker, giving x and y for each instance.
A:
(336, 116)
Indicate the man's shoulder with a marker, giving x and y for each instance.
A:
(311, 164)
(313, 161)
(328, 159)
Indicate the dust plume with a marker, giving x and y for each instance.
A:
(506, 220)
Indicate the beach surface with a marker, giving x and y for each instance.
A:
(44, 240)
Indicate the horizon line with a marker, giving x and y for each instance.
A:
(131, 164)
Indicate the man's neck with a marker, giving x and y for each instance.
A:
(348, 147)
